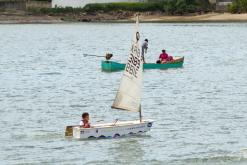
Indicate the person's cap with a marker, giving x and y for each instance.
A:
(146, 40)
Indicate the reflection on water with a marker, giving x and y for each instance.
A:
(46, 83)
(127, 151)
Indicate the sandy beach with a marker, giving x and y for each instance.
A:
(212, 17)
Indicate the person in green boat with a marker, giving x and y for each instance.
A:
(164, 57)
(144, 49)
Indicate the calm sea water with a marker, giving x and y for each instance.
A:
(46, 83)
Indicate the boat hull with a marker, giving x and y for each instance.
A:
(111, 130)
(111, 66)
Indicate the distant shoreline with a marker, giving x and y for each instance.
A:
(152, 18)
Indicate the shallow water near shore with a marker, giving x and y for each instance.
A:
(46, 83)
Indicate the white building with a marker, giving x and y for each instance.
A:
(82, 3)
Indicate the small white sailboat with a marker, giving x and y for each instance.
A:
(128, 98)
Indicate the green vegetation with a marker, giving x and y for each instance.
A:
(168, 6)
(238, 6)
(124, 6)
(181, 7)
(57, 10)
(42, 0)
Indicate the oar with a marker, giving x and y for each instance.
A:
(108, 56)
(92, 55)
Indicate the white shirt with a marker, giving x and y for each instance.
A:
(144, 47)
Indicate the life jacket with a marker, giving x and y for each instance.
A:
(85, 125)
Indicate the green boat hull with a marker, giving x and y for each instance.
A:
(111, 66)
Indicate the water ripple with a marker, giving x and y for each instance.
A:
(46, 83)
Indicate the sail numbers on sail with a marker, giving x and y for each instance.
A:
(134, 61)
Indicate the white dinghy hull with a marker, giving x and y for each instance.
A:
(112, 130)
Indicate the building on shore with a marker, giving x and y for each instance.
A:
(23, 4)
(82, 3)
(221, 5)
(38, 4)
(13, 4)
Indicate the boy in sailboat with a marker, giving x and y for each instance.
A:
(85, 120)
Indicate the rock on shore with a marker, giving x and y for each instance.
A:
(118, 16)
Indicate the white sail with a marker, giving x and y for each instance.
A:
(129, 93)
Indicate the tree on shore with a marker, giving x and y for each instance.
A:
(238, 6)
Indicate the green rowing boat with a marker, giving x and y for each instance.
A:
(111, 66)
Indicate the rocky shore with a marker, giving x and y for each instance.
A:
(22, 17)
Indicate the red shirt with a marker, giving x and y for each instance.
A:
(85, 124)
(163, 56)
